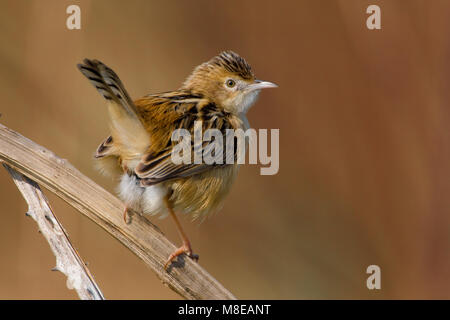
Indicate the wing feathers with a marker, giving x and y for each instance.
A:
(106, 148)
(156, 167)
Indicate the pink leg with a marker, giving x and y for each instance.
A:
(186, 246)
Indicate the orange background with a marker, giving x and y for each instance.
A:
(364, 142)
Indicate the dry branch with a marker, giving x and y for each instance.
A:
(140, 236)
(67, 259)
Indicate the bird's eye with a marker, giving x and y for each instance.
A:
(230, 83)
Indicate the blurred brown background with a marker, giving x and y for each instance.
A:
(364, 142)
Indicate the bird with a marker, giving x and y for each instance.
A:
(138, 150)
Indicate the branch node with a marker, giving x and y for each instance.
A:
(31, 214)
(49, 219)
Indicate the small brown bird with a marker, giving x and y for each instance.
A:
(218, 93)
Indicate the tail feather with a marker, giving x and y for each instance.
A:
(108, 84)
(128, 132)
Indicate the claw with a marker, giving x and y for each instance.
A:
(186, 249)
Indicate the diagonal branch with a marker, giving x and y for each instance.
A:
(68, 260)
(140, 236)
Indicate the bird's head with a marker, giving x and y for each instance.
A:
(228, 80)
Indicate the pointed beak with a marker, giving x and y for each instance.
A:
(259, 84)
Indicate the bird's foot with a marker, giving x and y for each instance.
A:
(186, 249)
(126, 216)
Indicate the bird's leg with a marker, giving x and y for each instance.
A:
(186, 246)
(125, 215)
(125, 211)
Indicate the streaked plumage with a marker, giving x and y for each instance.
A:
(218, 93)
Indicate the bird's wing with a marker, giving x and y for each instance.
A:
(162, 115)
(128, 132)
(106, 148)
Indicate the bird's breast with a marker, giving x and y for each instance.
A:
(204, 193)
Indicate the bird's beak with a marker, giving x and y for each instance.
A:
(259, 84)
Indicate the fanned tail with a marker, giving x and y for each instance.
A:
(128, 132)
